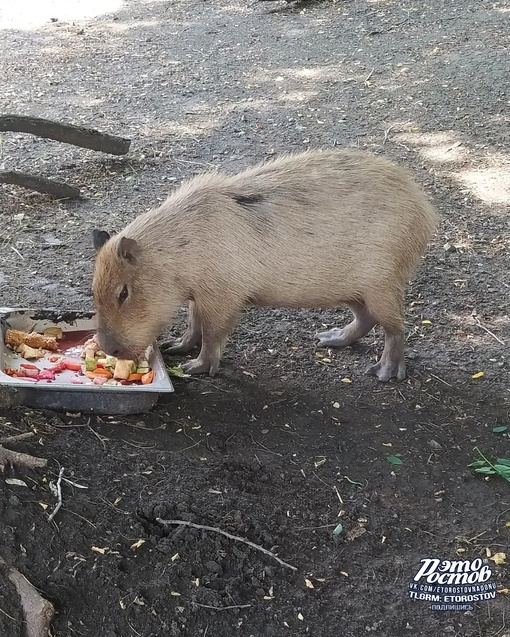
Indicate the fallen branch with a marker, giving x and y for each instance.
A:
(16, 458)
(229, 535)
(41, 184)
(67, 133)
(59, 495)
(16, 438)
(38, 611)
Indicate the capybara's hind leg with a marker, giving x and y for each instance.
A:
(191, 336)
(392, 363)
(389, 313)
(216, 329)
(342, 336)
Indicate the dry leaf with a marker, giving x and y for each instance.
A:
(309, 584)
(477, 375)
(426, 322)
(137, 544)
(356, 532)
(498, 558)
(336, 405)
(300, 617)
(43, 505)
(96, 549)
(16, 482)
(504, 591)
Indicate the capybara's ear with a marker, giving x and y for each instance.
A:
(128, 250)
(99, 238)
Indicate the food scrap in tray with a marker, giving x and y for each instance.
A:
(74, 357)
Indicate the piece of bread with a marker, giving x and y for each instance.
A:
(15, 338)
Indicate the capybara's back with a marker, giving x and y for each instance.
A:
(317, 229)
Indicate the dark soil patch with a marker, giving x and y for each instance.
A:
(276, 449)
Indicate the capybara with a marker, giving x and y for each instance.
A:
(315, 229)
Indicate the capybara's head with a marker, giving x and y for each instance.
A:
(125, 292)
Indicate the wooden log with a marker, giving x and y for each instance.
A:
(67, 133)
(41, 184)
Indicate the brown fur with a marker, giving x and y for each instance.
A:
(317, 229)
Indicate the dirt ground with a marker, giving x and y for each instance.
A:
(288, 440)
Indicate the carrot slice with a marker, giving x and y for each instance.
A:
(29, 366)
(53, 359)
(133, 377)
(74, 367)
(148, 378)
(98, 373)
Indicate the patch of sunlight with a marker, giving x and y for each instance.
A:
(297, 96)
(491, 185)
(31, 14)
(440, 147)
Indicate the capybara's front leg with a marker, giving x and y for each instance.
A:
(392, 363)
(215, 332)
(389, 312)
(191, 336)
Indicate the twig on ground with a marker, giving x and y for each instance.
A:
(226, 534)
(16, 458)
(488, 331)
(222, 607)
(59, 495)
(38, 611)
(16, 438)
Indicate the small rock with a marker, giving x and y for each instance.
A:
(213, 566)
(449, 247)
(434, 444)
(14, 501)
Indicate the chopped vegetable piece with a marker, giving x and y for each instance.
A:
(111, 361)
(134, 377)
(100, 380)
(148, 378)
(53, 359)
(90, 363)
(28, 366)
(123, 369)
(76, 380)
(56, 332)
(30, 353)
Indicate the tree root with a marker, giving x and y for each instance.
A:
(15, 458)
(38, 611)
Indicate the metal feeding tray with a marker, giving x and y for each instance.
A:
(61, 394)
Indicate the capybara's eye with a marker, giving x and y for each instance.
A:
(123, 295)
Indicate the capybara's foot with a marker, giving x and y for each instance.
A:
(335, 337)
(342, 336)
(200, 366)
(178, 346)
(388, 370)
